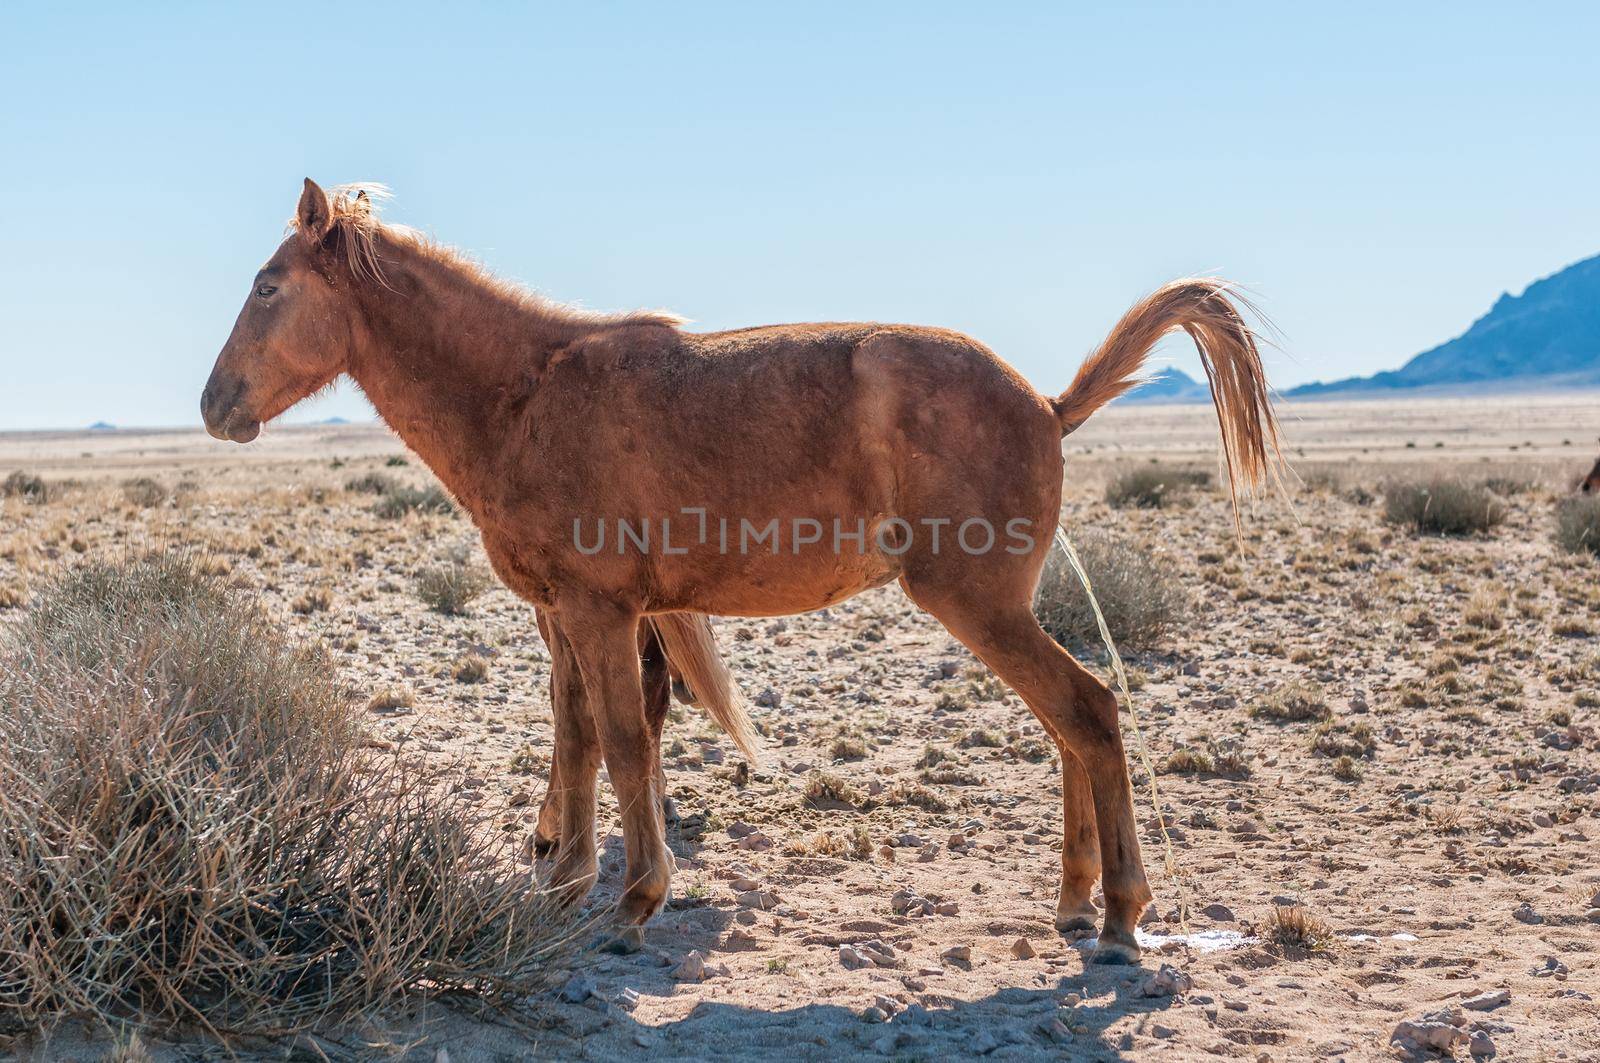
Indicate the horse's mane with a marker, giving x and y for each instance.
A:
(356, 226)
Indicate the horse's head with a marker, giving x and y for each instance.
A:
(299, 324)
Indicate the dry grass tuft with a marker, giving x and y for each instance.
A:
(1578, 524)
(1153, 487)
(373, 483)
(26, 486)
(1142, 602)
(143, 492)
(1294, 702)
(826, 790)
(471, 668)
(1294, 926)
(1442, 506)
(452, 585)
(191, 833)
(400, 500)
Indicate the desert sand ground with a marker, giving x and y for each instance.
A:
(1456, 859)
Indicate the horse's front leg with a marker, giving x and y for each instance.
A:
(574, 769)
(605, 643)
(564, 683)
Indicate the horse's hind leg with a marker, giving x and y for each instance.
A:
(1080, 845)
(657, 680)
(1080, 712)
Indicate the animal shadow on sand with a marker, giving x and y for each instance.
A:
(1019, 1022)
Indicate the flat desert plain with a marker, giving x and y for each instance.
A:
(1376, 754)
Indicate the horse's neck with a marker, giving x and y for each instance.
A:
(446, 367)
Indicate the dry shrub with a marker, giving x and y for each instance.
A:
(1294, 702)
(26, 486)
(1442, 506)
(143, 492)
(399, 501)
(826, 790)
(1153, 487)
(1141, 600)
(1294, 926)
(191, 831)
(373, 483)
(452, 585)
(1578, 524)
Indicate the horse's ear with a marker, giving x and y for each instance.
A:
(314, 215)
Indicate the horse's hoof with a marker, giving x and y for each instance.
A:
(624, 942)
(669, 811)
(1074, 923)
(1115, 952)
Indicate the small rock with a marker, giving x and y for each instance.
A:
(1487, 1001)
(578, 989)
(1416, 1034)
(914, 1015)
(761, 900)
(853, 958)
(755, 841)
(1550, 968)
(1056, 1030)
(1163, 1032)
(1220, 912)
(873, 1013)
(1168, 981)
(1022, 949)
(692, 968)
(957, 954)
(1524, 913)
(1480, 1044)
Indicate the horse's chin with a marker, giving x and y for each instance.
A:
(235, 429)
(245, 432)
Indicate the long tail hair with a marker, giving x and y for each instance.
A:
(1204, 308)
(691, 649)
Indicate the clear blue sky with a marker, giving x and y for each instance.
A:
(1376, 174)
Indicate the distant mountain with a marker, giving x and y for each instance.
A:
(102, 426)
(1169, 385)
(1547, 337)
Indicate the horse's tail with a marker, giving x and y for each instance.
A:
(1204, 308)
(691, 649)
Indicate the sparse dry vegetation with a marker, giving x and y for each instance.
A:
(1442, 505)
(1153, 486)
(191, 831)
(453, 584)
(1142, 601)
(1578, 524)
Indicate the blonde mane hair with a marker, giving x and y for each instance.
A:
(357, 228)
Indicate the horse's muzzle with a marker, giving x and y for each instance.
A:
(219, 408)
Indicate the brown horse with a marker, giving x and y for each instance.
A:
(548, 424)
(1591, 484)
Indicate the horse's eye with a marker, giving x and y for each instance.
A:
(265, 291)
